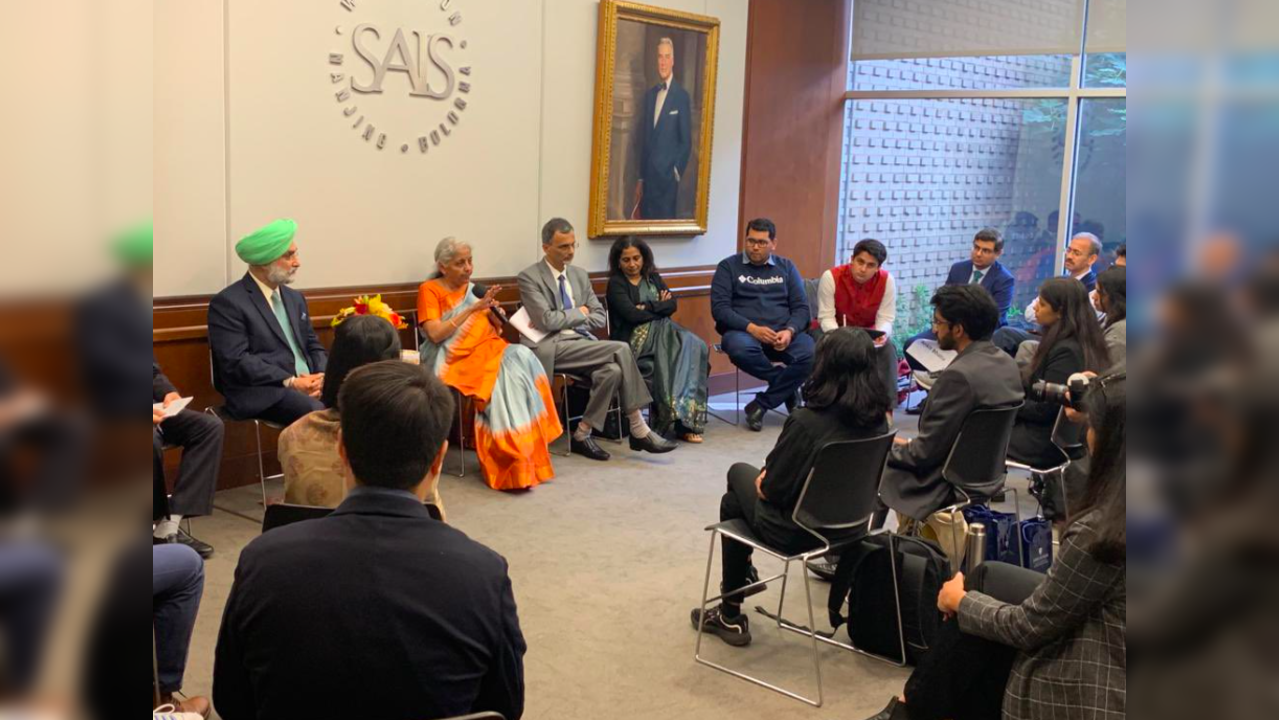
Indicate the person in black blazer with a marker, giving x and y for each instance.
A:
(377, 610)
(1073, 342)
(845, 400)
(267, 360)
(979, 377)
(982, 268)
(665, 140)
(199, 435)
(673, 360)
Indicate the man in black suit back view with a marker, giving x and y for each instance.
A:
(376, 611)
(664, 137)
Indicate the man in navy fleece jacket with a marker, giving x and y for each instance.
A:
(760, 311)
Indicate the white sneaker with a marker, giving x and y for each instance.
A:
(171, 712)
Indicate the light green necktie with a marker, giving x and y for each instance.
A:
(299, 360)
(976, 277)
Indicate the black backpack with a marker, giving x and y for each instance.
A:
(864, 578)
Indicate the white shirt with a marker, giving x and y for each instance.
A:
(884, 317)
(661, 98)
(568, 288)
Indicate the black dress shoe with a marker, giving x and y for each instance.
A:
(201, 548)
(792, 402)
(654, 443)
(896, 710)
(588, 448)
(754, 415)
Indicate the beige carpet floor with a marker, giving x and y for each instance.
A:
(606, 562)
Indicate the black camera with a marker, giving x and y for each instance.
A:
(1070, 395)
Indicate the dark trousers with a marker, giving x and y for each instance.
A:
(177, 582)
(739, 503)
(59, 443)
(30, 577)
(755, 360)
(1009, 339)
(291, 407)
(963, 676)
(200, 436)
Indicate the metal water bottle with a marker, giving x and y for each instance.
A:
(976, 552)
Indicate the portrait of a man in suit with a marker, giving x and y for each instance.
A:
(664, 139)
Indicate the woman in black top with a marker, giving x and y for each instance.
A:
(1072, 343)
(845, 400)
(674, 361)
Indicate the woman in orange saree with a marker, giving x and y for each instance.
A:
(515, 416)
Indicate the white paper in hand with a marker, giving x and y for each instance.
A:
(932, 357)
(522, 322)
(174, 408)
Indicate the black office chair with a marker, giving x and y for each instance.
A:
(840, 494)
(1067, 443)
(478, 716)
(976, 467)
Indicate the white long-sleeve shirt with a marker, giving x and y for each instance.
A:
(884, 317)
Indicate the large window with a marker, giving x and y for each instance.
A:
(1006, 113)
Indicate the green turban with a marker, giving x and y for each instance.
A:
(133, 247)
(266, 244)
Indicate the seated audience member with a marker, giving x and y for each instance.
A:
(31, 579)
(674, 360)
(1033, 646)
(177, 586)
(1072, 343)
(1111, 299)
(200, 437)
(515, 416)
(964, 316)
(313, 472)
(561, 303)
(1121, 256)
(1081, 255)
(760, 311)
(416, 620)
(267, 361)
(863, 294)
(982, 269)
(845, 400)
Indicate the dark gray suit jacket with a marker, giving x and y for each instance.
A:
(982, 376)
(540, 294)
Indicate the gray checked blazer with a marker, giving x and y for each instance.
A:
(1072, 634)
(540, 294)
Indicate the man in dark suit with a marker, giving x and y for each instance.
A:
(199, 435)
(1081, 255)
(414, 619)
(981, 376)
(267, 361)
(665, 140)
(983, 268)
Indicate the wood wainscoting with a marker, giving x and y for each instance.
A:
(181, 345)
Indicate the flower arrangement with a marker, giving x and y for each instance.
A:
(366, 305)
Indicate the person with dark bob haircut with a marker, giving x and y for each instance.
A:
(845, 401)
(863, 294)
(309, 447)
(377, 594)
(673, 360)
(1027, 646)
(980, 376)
(1072, 343)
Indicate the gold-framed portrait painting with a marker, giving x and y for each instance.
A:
(654, 119)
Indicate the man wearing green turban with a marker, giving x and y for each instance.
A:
(267, 360)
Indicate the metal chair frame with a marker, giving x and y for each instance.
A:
(1059, 470)
(826, 547)
(737, 395)
(996, 487)
(225, 417)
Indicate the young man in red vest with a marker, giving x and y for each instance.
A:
(863, 294)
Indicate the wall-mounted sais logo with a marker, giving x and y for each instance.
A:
(422, 65)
